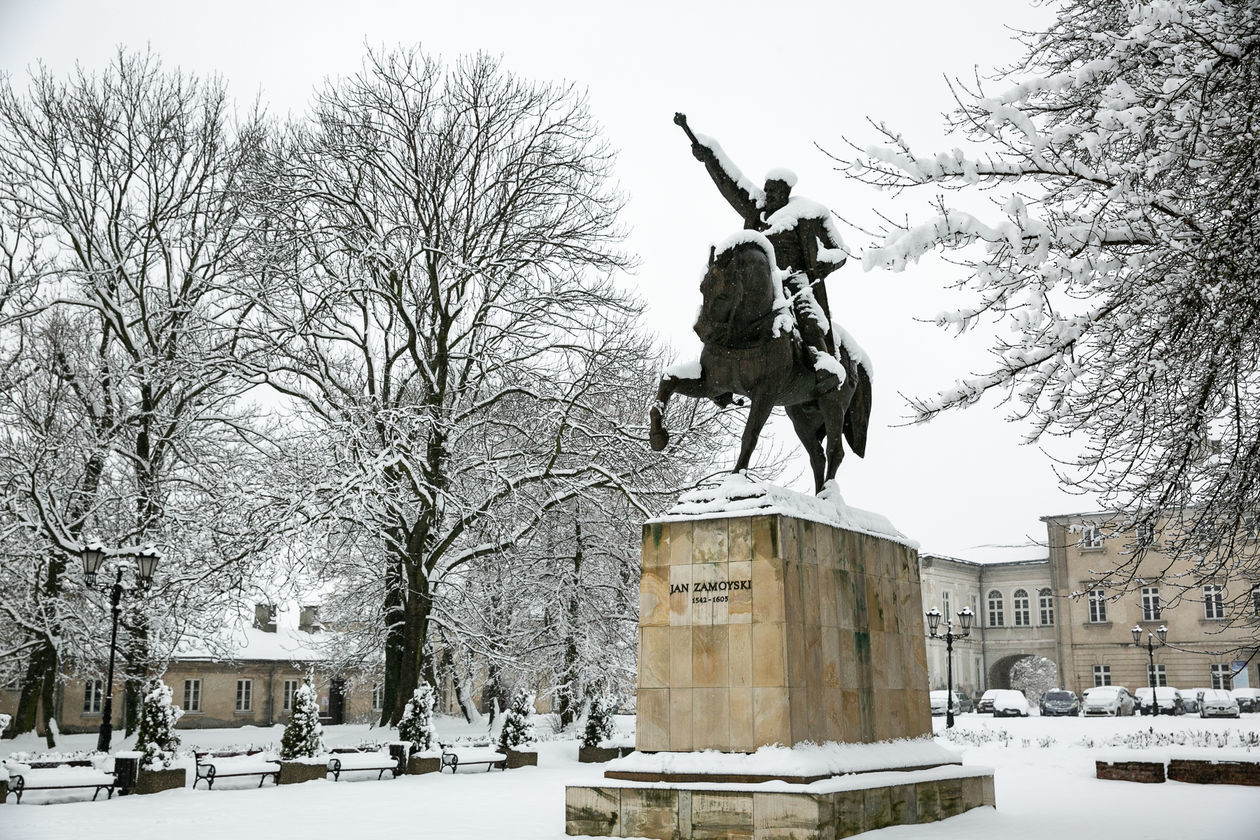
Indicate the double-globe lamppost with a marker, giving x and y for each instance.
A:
(146, 561)
(1150, 654)
(965, 615)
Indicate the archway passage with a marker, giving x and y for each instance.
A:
(1028, 672)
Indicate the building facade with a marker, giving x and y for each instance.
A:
(1056, 608)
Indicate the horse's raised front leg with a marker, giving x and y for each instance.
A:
(670, 385)
(758, 414)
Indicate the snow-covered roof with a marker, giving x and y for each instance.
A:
(739, 495)
(286, 644)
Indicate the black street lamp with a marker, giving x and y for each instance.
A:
(93, 555)
(965, 615)
(1150, 653)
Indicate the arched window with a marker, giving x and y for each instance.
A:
(1021, 608)
(1045, 605)
(997, 617)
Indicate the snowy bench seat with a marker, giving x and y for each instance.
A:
(344, 762)
(40, 775)
(211, 766)
(455, 757)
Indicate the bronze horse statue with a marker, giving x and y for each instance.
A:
(747, 351)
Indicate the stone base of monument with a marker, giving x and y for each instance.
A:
(840, 806)
(783, 679)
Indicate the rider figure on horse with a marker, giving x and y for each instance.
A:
(807, 244)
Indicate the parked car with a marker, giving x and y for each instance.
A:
(937, 699)
(1190, 698)
(985, 706)
(1113, 700)
(1216, 702)
(1169, 698)
(1060, 702)
(1248, 699)
(1010, 703)
(964, 702)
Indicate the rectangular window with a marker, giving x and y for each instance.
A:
(1150, 604)
(945, 605)
(1091, 537)
(378, 696)
(1161, 678)
(1145, 535)
(1221, 677)
(1102, 675)
(1213, 601)
(192, 695)
(244, 695)
(1045, 608)
(93, 691)
(290, 689)
(1021, 609)
(1255, 599)
(1097, 606)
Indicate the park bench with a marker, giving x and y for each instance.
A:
(455, 756)
(221, 765)
(58, 775)
(348, 759)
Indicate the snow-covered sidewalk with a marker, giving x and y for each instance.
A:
(1043, 793)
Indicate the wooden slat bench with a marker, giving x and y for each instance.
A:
(58, 775)
(222, 765)
(349, 760)
(454, 757)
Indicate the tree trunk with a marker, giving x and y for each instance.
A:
(569, 692)
(37, 684)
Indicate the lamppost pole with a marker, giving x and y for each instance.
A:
(146, 561)
(965, 616)
(107, 712)
(1150, 655)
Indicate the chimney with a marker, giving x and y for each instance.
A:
(308, 619)
(265, 617)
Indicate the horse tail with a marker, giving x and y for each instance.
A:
(858, 415)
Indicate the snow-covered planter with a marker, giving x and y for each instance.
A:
(598, 755)
(297, 770)
(156, 781)
(424, 762)
(521, 758)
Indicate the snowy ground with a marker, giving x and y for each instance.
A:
(1045, 787)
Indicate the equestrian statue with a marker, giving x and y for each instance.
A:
(766, 325)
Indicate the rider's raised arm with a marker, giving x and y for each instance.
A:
(740, 192)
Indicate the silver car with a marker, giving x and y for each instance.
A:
(1110, 700)
(1215, 702)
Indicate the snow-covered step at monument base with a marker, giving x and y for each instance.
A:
(739, 495)
(836, 807)
(803, 761)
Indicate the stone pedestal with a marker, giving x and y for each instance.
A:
(774, 629)
(418, 765)
(781, 626)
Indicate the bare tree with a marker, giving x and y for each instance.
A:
(1123, 160)
(437, 244)
(125, 419)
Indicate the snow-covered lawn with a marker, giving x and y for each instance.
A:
(1045, 790)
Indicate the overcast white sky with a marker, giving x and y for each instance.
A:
(769, 80)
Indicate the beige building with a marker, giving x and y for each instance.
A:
(1211, 642)
(253, 686)
(1055, 608)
